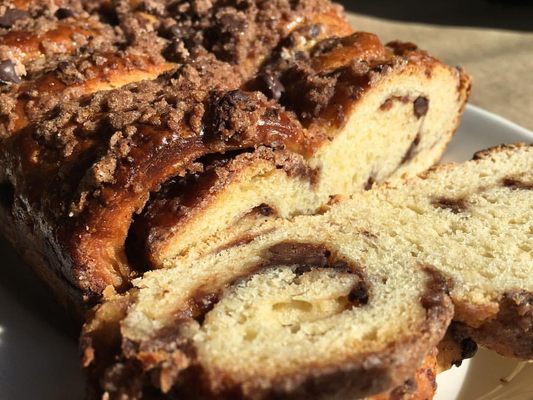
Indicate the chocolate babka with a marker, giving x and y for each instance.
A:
(131, 132)
(341, 305)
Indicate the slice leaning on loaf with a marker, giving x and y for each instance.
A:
(370, 113)
(340, 305)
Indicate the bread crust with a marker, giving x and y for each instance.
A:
(510, 331)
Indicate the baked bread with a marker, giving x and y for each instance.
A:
(344, 304)
(131, 130)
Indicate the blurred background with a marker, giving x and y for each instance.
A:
(492, 39)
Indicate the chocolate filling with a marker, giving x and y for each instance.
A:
(270, 85)
(358, 296)
(421, 107)
(516, 184)
(387, 104)
(369, 183)
(412, 150)
(289, 253)
(305, 256)
(171, 203)
(467, 346)
(456, 206)
(308, 256)
(436, 287)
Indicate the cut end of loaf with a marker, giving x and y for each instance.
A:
(284, 330)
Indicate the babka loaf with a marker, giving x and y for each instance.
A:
(344, 304)
(132, 130)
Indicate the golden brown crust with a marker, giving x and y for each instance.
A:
(37, 97)
(510, 331)
(422, 387)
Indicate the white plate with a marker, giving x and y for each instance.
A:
(39, 360)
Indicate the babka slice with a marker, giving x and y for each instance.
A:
(370, 113)
(344, 304)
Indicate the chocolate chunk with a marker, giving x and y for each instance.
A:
(63, 13)
(341, 266)
(271, 86)
(302, 269)
(421, 106)
(456, 206)
(11, 16)
(7, 72)
(468, 348)
(387, 105)
(436, 288)
(201, 304)
(369, 183)
(298, 253)
(265, 209)
(516, 184)
(358, 296)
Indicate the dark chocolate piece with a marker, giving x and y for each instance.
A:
(456, 206)
(516, 184)
(369, 183)
(358, 296)
(298, 253)
(7, 72)
(468, 348)
(436, 287)
(421, 106)
(265, 209)
(63, 13)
